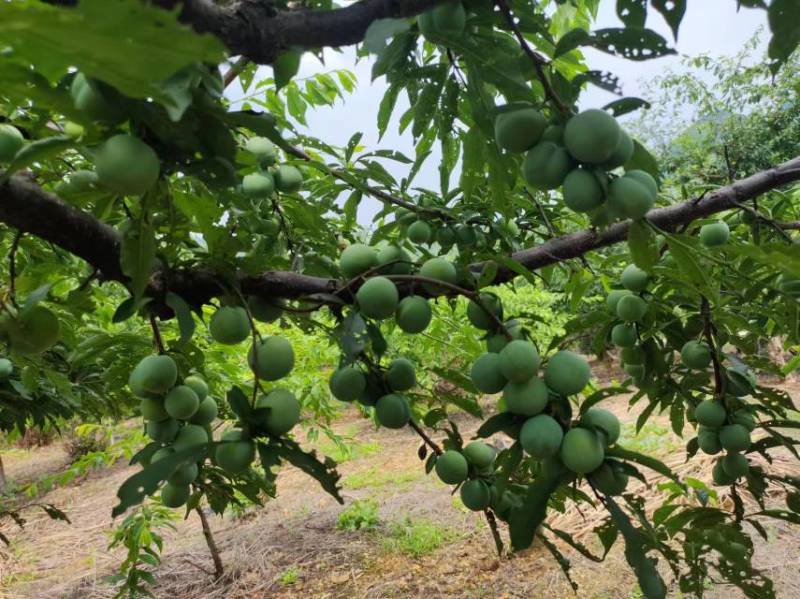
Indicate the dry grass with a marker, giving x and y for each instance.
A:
(292, 548)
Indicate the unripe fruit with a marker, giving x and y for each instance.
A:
(288, 179)
(546, 165)
(629, 196)
(413, 314)
(6, 368)
(631, 308)
(715, 234)
(127, 165)
(258, 185)
(175, 495)
(622, 153)
(554, 133)
(609, 478)
(478, 316)
(284, 411)
(377, 298)
(184, 474)
(623, 335)
(479, 454)
(265, 310)
(34, 331)
(735, 465)
(582, 191)
(229, 325)
(448, 19)
(637, 371)
(720, 477)
(581, 451)
(198, 385)
(263, 149)
(734, 437)
(475, 495)
(486, 374)
(400, 375)
(181, 402)
(348, 383)
(519, 130)
(632, 355)
(393, 411)
(11, 141)
(440, 269)
(356, 259)
(541, 436)
(190, 435)
(708, 441)
(451, 467)
(498, 341)
(592, 136)
(710, 413)
(395, 259)
(162, 431)
(519, 361)
(527, 398)
(419, 232)
(612, 300)
(445, 236)
(695, 354)
(604, 421)
(154, 374)
(272, 358)
(634, 278)
(87, 98)
(567, 373)
(160, 454)
(466, 236)
(744, 418)
(206, 412)
(235, 454)
(152, 408)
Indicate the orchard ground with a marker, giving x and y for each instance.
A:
(418, 540)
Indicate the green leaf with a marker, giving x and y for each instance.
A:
(137, 255)
(626, 105)
(632, 12)
(381, 30)
(495, 424)
(323, 472)
(642, 245)
(285, 67)
(239, 403)
(784, 22)
(644, 460)
(571, 40)
(37, 150)
(183, 313)
(633, 44)
(137, 487)
(672, 11)
(643, 160)
(89, 37)
(524, 520)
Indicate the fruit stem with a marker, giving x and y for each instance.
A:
(708, 333)
(159, 342)
(428, 441)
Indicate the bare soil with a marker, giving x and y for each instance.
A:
(292, 548)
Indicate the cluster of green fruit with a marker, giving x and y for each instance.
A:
(465, 236)
(11, 142)
(382, 390)
(718, 429)
(631, 308)
(270, 358)
(378, 297)
(177, 416)
(473, 468)
(578, 157)
(32, 330)
(269, 177)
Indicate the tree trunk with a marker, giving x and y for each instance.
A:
(212, 546)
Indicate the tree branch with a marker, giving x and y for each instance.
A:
(29, 208)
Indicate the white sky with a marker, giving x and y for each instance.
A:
(709, 27)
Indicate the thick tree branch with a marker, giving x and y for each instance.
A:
(27, 207)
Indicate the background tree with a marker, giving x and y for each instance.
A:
(136, 203)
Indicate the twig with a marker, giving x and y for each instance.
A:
(92, 275)
(498, 541)
(235, 70)
(159, 342)
(428, 441)
(284, 227)
(708, 333)
(212, 546)
(779, 227)
(538, 60)
(12, 266)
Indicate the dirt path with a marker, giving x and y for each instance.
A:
(425, 543)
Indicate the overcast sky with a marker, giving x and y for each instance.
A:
(709, 27)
